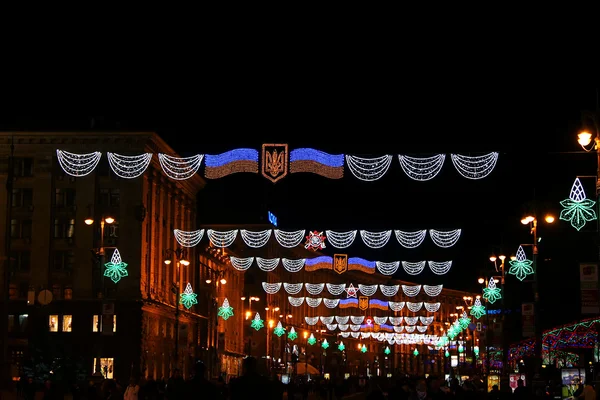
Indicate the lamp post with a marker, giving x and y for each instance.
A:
(306, 354)
(484, 282)
(585, 137)
(501, 270)
(271, 325)
(179, 255)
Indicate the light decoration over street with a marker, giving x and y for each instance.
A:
(225, 311)
(336, 289)
(520, 267)
(279, 330)
(577, 208)
(311, 339)
(341, 346)
(363, 349)
(292, 335)
(351, 291)
(478, 310)
(116, 268)
(257, 323)
(464, 320)
(387, 351)
(129, 167)
(492, 293)
(188, 298)
(78, 165)
(325, 344)
(315, 241)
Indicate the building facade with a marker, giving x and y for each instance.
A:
(63, 230)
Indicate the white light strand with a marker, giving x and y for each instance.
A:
(221, 239)
(413, 268)
(293, 288)
(241, 264)
(399, 329)
(311, 320)
(313, 301)
(432, 307)
(396, 305)
(267, 264)
(336, 288)
(357, 319)
(387, 268)
(396, 320)
(389, 290)
(426, 320)
(355, 335)
(331, 327)
(129, 167)
(423, 168)
(340, 240)
(368, 169)
(342, 319)
(411, 320)
(411, 291)
(180, 168)
(289, 239)
(293, 265)
(414, 307)
(78, 165)
(367, 290)
(441, 267)
(314, 288)
(375, 240)
(271, 288)
(327, 320)
(410, 240)
(422, 328)
(295, 301)
(380, 320)
(331, 303)
(477, 167)
(343, 327)
(365, 335)
(255, 239)
(188, 238)
(345, 335)
(355, 328)
(433, 290)
(445, 239)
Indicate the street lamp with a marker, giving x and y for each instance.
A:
(179, 255)
(502, 271)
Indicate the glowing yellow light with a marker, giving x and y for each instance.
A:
(223, 281)
(584, 138)
(89, 221)
(185, 263)
(493, 258)
(549, 218)
(481, 280)
(502, 258)
(167, 262)
(109, 220)
(248, 314)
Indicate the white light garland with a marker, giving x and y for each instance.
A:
(414, 307)
(399, 329)
(221, 239)
(341, 240)
(411, 320)
(367, 290)
(331, 303)
(313, 301)
(129, 167)
(336, 288)
(314, 288)
(78, 165)
(255, 239)
(241, 264)
(387, 268)
(413, 268)
(293, 288)
(293, 265)
(410, 240)
(267, 264)
(342, 319)
(411, 291)
(331, 327)
(422, 169)
(380, 320)
(477, 167)
(357, 319)
(343, 327)
(289, 239)
(355, 335)
(441, 267)
(375, 240)
(180, 168)
(426, 320)
(188, 238)
(296, 301)
(445, 238)
(368, 169)
(433, 290)
(327, 320)
(271, 288)
(432, 307)
(395, 320)
(311, 320)
(410, 329)
(355, 328)
(422, 328)
(389, 290)
(345, 335)
(396, 305)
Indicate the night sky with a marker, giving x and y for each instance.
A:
(534, 129)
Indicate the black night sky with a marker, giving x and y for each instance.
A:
(534, 129)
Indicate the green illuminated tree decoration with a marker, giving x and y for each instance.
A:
(492, 293)
(188, 297)
(478, 310)
(279, 329)
(341, 346)
(311, 339)
(292, 335)
(387, 351)
(416, 352)
(257, 323)
(578, 209)
(116, 268)
(464, 320)
(325, 344)
(520, 266)
(225, 311)
(442, 341)
(363, 349)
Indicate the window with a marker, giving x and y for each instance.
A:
(97, 323)
(105, 365)
(20, 228)
(110, 197)
(22, 197)
(53, 323)
(11, 323)
(21, 261)
(23, 320)
(66, 323)
(64, 197)
(64, 228)
(63, 260)
(23, 166)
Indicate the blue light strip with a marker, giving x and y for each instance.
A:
(218, 160)
(379, 302)
(318, 260)
(362, 261)
(306, 154)
(349, 301)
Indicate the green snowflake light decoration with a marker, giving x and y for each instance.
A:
(225, 311)
(188, 297)
(464, 320)
(492, 293)
(520, 266)
(292, 335)
(325, 344)
(341, 346)
(578, 209)
(416, 352)
(311, 339)
(387, 351)
(478, 310)
(363, 349)
(116, 268)
(257, 323)
(279, 329)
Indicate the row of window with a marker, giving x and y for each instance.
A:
(65, 197)
(64, 323)
(64, 228)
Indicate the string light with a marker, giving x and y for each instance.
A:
(411, 291)
(241, 264)
(188, 298)
(445, 239)
(295, 301)
(311, 320)
(413, 268)
(116, 268)
(331, 303)
(318, 162)
(389, 290)
(341, 346)
(380, 320)
(78, 165)
(368, 169)
(221, 239)
(375, 240)
(440, 268)
(189, 238)
(341, 240)
(396, 320)
(474, 167)
(396, 305)
(327, 320)
(314, 302)
(422, 169)
(410, 240)
(411, 320)
(357, 320)
(432, 307)
(387, 268)
(293, 288)
(414, 307)
(180, 168)
(336, 289)
(129, 167)
(342, 319)
(255, 239)
(577, 208)
(231, 162)
(293, 265)
(520, 267)
(314, 289)
(289, 239)
(433, 291)
(367, 290)
(225, 311)
(267, 264)
(271, 288)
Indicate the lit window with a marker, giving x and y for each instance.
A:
(66, 323)
(106, 367)
(53, 323)
(97, 323)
